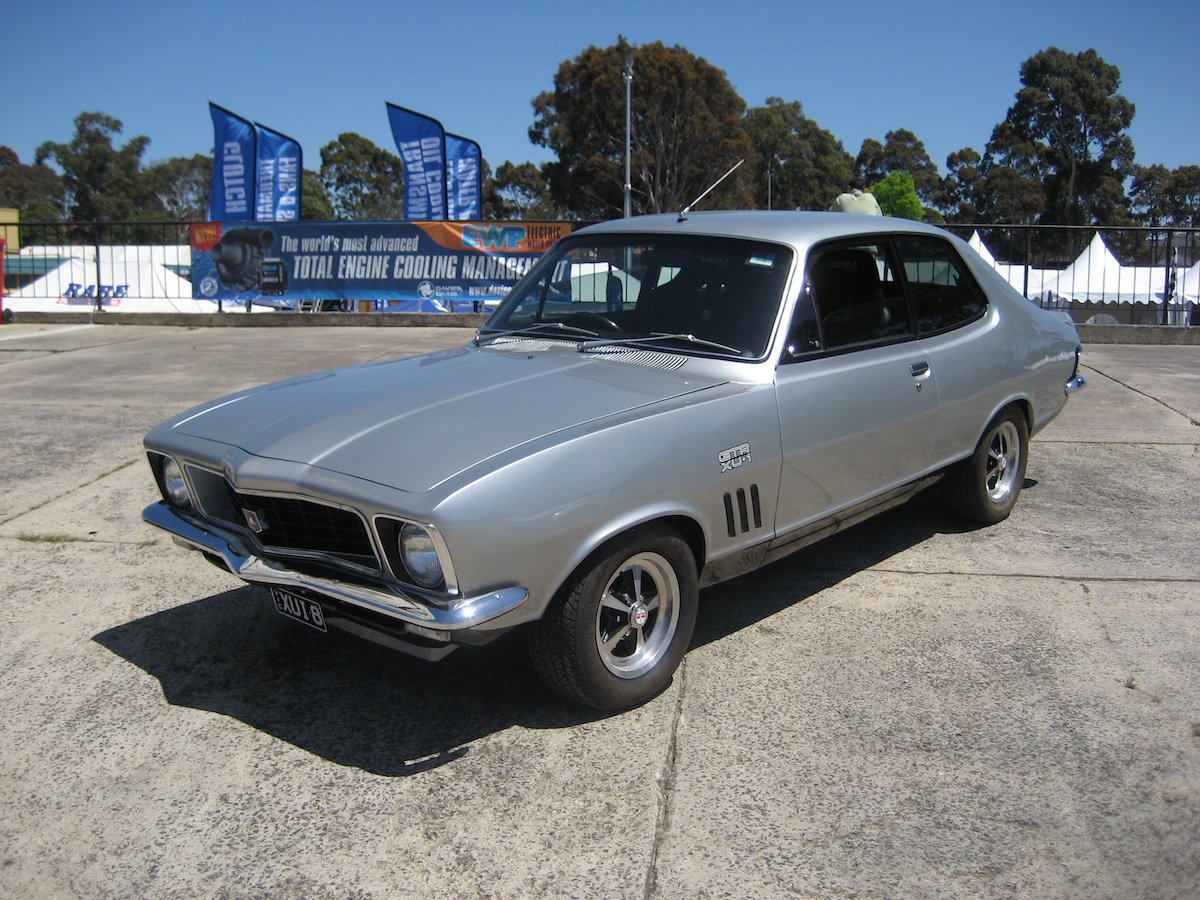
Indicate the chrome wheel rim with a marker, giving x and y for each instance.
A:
(1003, 462)
(637, 615)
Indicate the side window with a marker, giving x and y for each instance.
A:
(851, 297)
(944, 295)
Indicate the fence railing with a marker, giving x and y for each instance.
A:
(110, 265)
(1125, 275)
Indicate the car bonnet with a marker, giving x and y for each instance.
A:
(413, 423)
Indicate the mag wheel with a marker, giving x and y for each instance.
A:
(619, 629)
(985, 487)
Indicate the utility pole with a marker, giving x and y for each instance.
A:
(628, 76)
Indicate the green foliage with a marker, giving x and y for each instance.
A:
(902, 152)
(958, 194)
(519, 191)
(797, 164)
(1062, 154)
(102, 182)
(897, 196)
(37, 192)
(1067, 132)
(686, 131)
(1163, 197)
(363, 182)
(180, 187)
(314, 202)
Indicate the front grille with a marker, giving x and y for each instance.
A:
(287, 524)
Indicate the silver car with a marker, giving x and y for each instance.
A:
(663, 403)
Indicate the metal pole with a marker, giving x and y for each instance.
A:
(628, 76)
(1168, 286)
(1028, 262)
(99, 306)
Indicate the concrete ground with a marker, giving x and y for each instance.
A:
(911, 709)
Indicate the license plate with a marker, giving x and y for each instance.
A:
(299, 608)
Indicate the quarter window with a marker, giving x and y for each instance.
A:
(944, 296)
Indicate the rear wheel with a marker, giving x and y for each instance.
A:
(985, 487)
(621, 625)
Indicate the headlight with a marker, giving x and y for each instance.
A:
(419, 555)
(173, 484)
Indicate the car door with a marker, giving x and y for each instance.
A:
(858, 401)
(954, 328)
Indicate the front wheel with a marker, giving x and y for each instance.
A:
(620, 626)
(985, 487)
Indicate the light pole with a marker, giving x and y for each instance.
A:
(628, 76)
(770, 172)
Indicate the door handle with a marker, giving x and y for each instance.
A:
(919, 369)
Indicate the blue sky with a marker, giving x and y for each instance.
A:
(946, 71)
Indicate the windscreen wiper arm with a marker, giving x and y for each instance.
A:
(654, 337)
(536, 328)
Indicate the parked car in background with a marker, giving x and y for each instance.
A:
(663, 403)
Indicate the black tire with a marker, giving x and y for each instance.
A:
(619, 627)
(985, 487)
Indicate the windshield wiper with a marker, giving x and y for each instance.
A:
(537, 328)
(654, 337)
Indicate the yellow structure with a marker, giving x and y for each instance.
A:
(10, 232)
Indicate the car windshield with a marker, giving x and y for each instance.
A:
(710, 295)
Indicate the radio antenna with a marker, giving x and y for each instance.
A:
(683, 213)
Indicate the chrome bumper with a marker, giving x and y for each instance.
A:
(461, 614)
(1078, 383)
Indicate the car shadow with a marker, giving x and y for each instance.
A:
(733, 605)
(339, 697)
(357, 704)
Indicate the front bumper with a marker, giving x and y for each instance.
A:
(1076, 384)
(458, 618)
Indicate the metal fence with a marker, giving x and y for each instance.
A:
(1105, 275)
(1128, 276)
(80, 265)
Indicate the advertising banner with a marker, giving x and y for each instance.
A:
(233, 181)
(421, 142)
(280, 163)
(396, 266)
(464, 179)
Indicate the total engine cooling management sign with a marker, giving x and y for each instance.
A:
(400, 266)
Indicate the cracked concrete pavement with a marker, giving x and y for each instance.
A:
(912, 708)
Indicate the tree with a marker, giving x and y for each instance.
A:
(37, 192)
(314, 202)
(958, 197)
(687, 131)
(103, 183)
(1008, 195)
(364, 182)
(1067, 131)
(181, 187)
(519, 191)
(798, 164)
(901, 152)
(897, 196)
(1162, 197)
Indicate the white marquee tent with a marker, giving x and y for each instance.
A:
(1097, 278)
(131, 279)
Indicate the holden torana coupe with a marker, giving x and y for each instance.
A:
(661, 404)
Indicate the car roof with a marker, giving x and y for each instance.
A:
(798, 228)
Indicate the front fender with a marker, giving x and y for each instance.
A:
(533, 519)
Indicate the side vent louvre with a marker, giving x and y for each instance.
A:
(748, 511)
